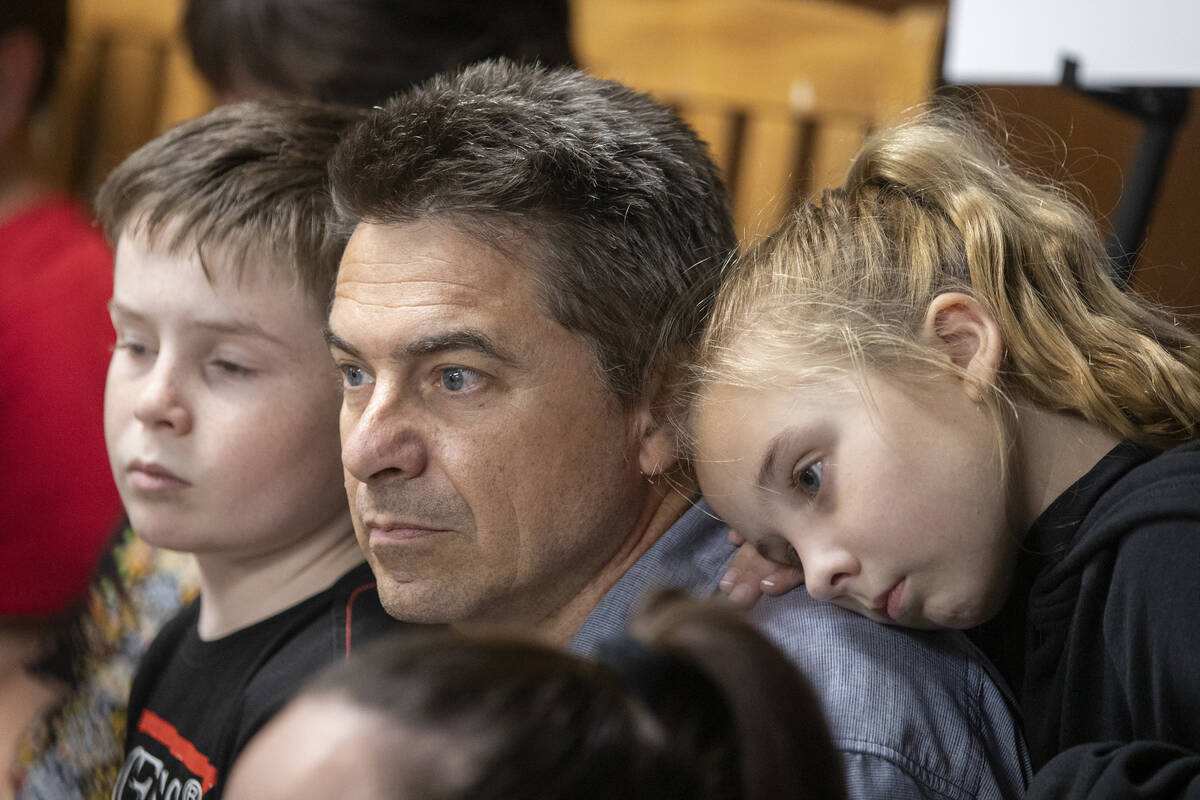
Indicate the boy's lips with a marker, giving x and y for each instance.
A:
(152, 476)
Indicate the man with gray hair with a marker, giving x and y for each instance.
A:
(515, 289)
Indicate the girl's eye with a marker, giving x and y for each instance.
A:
(807, 478)
(457, 379)
(353, 376)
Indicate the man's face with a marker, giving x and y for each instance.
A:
(491, 474)
(220, 409)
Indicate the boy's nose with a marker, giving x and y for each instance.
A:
(384, 442)
(161, 403)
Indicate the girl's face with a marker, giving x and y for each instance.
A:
(889, 496)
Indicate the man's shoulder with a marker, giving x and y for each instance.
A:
(913, 713)
(824, 640)
(923, 701)
(690, 556)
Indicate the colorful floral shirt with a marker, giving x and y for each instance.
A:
(75, 752)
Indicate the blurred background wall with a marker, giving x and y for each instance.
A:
(128, 76)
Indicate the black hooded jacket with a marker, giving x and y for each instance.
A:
(1100, 639)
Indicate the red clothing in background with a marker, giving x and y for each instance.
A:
(58, 503)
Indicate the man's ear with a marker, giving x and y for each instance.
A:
(959, 326)
(657, 444)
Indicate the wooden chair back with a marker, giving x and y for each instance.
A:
(126, 77)
(783, 91)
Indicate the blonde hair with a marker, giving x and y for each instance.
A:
(933, 206)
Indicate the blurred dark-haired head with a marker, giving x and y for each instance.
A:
(45, 23)
(695, 704)
(361, 52)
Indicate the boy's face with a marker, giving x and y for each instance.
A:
(221, 407)
(894, 506)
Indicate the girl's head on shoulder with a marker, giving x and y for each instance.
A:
(898, 380)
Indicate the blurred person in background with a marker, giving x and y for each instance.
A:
(58, 503)
(692, 703)
(361, 52)
(63, 686)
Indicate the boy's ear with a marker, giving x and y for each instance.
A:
(959, 326)
(657, 445)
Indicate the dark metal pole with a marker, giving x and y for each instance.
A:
(1161, 109)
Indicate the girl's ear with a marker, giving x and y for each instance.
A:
(959, 326)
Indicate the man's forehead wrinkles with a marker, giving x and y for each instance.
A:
(397, 283)
(394, 305)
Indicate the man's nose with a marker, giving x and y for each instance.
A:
(386, 440)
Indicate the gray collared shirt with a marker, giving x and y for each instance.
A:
(915, 714)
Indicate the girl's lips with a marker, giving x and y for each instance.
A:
(888, 603)
(894, 598)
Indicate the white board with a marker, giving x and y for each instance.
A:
(1114, 42)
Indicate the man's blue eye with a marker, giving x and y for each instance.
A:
(354, 376)
(808, 478)
(454, 379)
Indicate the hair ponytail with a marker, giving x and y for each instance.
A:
(933, 206)
(1075, 342)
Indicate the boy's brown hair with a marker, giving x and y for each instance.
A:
(246, 181)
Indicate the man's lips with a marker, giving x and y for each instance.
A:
(887, 604)
(380, 531)
(152, 476)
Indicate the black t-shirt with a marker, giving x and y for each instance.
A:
(1101, 637)
(195, 704)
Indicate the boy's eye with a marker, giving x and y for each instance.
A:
(353, 376)
(457, 379)
(231, 368)
(136, 349)
(807, 478)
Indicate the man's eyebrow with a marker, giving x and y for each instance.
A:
(333, 340)
(464, 339)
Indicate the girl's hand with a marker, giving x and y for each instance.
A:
(751, 574)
